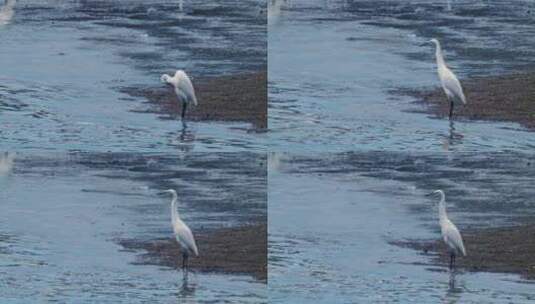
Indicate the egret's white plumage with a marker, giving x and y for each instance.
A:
(183, 234)
(6, 12)
(450, 233)
(450, 83)
(183, 88)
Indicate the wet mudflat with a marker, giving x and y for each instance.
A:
(65, 216)
(507, 250)
(241, 250)
(337, 222)
(502, 98)
(231, 98)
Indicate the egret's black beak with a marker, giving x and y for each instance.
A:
(430, 194)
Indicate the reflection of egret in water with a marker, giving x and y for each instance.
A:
(454, 292)
(274, 161)
(184, 140)
(6, 12)
(6, 163)
(187, 291)
(274, 10)
(453, 137)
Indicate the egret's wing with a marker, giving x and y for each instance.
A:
(186, 87)
(453, 85)
(453, 238)
(185, 237)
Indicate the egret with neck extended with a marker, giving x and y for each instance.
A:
(183, 89)
(182, 232)
(450, 83)
(450, 233)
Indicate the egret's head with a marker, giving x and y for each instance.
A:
(436, 192)
(435, 41)
(169, 191)
(165, 78)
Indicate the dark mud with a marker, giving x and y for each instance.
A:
(504, 250)
(500, 98)
(241, 250)
(240, 97)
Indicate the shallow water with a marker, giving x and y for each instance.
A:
(64, 214)
(63, 64)
(335, 67)
(332, 218)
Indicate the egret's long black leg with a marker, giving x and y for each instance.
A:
(451, 109)
(184, 107)
(184, 261)
(451, 261)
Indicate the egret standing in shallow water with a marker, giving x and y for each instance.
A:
(450, 83)
(450, 233)
(183, 89)
(182, 232)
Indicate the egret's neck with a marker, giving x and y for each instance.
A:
(442, 208)
(174, 211)
(440, 57)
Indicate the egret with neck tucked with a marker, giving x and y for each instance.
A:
(183, 234)
(450, 83)
(450, 233)
(183, 89)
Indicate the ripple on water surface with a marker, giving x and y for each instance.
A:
(63, 215)
(333, 217)
(66, 95)
(348, 99)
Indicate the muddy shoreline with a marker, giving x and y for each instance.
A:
(507, 98)
(502, 250)
(238, 250)
(241, 97)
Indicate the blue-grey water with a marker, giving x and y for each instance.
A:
(63, 64)
(63, 216)
(335, 67)
(333, 218)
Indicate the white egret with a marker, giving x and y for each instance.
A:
(183, 89)
(450, 233)
(6, 12)
(182, 232)
(450, 83)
